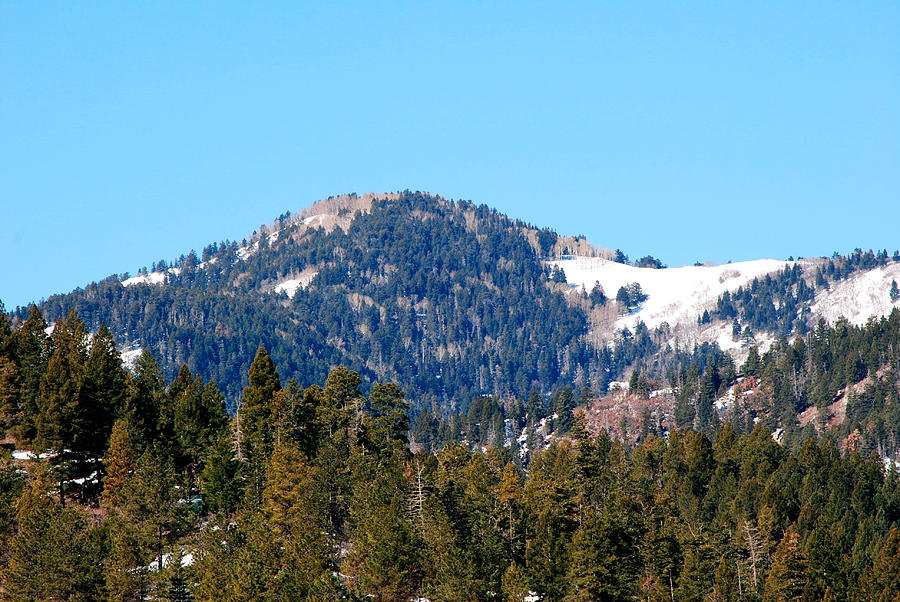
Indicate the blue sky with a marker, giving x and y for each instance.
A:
(134, 132)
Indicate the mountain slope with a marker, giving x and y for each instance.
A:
(449, 299)
(453, 300)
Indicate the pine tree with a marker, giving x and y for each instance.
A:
(32, 352)
(385, 555)
(128, 554)
(120, 463)
(534, 406)
(390, 422)
(6, 333)
(11, 485)
(707, 418)
(291, 511)
(11, 414)
(509, 494)
(787, 578)
(63, 424)
(145, 398)
(256, 416)
(59, 420)
(303, 422)
(213, 403)
(605, 563)
(52, 556)
(152, 496)
(514, 583)
(178, 588)
(563, 405)
(105, 387)
(340, 398)
(221, 483)
(882, 580)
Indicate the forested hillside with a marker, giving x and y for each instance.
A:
(454, 301)
(127, 486)
(448, 298)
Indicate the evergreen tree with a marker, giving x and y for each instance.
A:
(52, 556)
(105, 387)
(605, 562)
(32, 352)
(515, 584)
(120, 463)
(11, 412)
(534, 406)
(60, 420)
(390, 422)
(597, 296)
(882, 581)
(290, 507)
(6, 333)
(563, 406)
(152, 499)
(128, 554)
(221, 483)
(145, 399)
(787, 578)
(256, 417)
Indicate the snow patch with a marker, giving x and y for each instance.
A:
(290, 286)
(130, 357)
(186, 560)
(247, 250)
(151, 278)
(314, 219)
(859, 297)
(674, 295)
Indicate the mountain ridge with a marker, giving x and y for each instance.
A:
(450, 299)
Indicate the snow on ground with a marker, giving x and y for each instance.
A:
(862, 295)
(23, 454)
(130, 357)
(247, 250)
(186, 560)
(314, 219)
(151, 278)
(674, 294)
(290, 286)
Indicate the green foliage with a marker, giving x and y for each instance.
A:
(51, 555)
(221, 482)
(256, 419)
(346, 511)
(416, 276)
(631, 295)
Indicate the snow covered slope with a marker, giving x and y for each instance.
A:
(674, 295)
(859, 297)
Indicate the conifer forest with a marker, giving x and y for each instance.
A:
(121, 484)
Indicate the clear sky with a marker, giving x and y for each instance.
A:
(133, 132)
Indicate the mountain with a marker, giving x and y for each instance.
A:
(447, 298)
(454, 300)
(677, 297)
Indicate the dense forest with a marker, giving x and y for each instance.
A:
(126, 486)
(448, 298)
